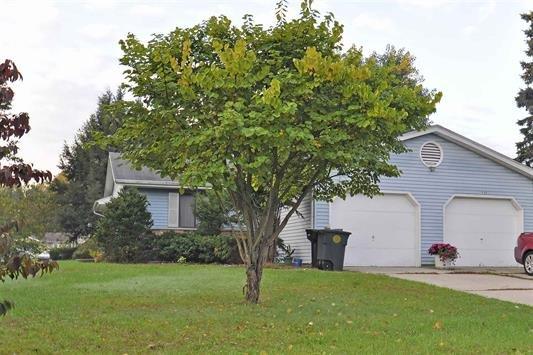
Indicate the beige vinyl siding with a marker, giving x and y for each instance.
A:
(294, 232)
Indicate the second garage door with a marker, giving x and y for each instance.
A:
(385, 229)
(484, 230)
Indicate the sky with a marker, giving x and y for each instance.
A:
(68, 54)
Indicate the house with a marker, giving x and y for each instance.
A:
(56, 239)
(451, 189)
(170, 208)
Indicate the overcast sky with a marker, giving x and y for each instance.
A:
(68, 53)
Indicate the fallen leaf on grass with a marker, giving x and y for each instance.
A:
(438, 325)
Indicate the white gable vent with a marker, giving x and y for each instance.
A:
(431, 154)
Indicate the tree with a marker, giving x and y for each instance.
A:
(268, 115)
(524, 99)
(214, 210)
(34, 207)
(123, 232)
(83, 167)
(14, 172)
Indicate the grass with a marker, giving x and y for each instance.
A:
(109, 308)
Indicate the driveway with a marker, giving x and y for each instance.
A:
(507, 284)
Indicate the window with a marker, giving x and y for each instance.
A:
(186, 211)
(181, 210)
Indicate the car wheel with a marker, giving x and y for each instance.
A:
(528, 263)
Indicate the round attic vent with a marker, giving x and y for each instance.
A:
(431, 154)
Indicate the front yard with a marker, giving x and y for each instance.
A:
(114, 308)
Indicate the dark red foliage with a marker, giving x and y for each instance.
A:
(445, 251)
(14, 126)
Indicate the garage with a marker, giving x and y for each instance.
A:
(385, 229)
(484, 229)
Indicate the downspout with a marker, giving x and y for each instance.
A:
(94, 210)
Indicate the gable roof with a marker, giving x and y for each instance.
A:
(124, 173)
(475, 147)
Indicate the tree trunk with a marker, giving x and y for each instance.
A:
(253, 282)
(272, 251)
(254, 270)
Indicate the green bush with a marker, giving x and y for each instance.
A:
(124, 233)
(196, 248)
(62, 253)
(87, 250)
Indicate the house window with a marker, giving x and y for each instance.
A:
(181, 210)
(186, 211)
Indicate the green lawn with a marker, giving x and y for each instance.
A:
(108, 308)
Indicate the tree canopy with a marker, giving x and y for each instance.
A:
(33, 207)
(268, 115)
(83, 170)
(14, 172)
(524, 99)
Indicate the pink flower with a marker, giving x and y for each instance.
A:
(445, 251)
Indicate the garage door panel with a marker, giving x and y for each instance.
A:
(469, 223)
(385, 230)
(483, 229)
(378, 257)
(395, 203)
(491, 205)
(497, 257)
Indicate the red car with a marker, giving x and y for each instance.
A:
(523, 252)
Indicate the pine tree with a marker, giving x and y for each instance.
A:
(83, 169)
(524, 99)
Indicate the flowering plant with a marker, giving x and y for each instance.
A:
(445, 252)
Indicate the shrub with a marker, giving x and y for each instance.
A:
(28, 245)
(214, 211)
(62, 253)
(196, 248)
(88, 250)
(124, 232)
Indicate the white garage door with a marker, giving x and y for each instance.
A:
(385, 229)
(483, 229)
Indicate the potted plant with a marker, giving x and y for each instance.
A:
(445, 255)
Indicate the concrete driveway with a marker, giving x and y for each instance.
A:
(508, 284)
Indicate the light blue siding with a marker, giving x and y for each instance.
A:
(321, 214)
(461, 172)
(157, 206)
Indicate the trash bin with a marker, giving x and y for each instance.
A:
(312, 235)
(327, 248)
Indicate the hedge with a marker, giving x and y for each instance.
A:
(196, 248)
(62, 253)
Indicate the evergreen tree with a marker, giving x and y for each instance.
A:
(124, 232)
(524, 99)
(83, 167)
